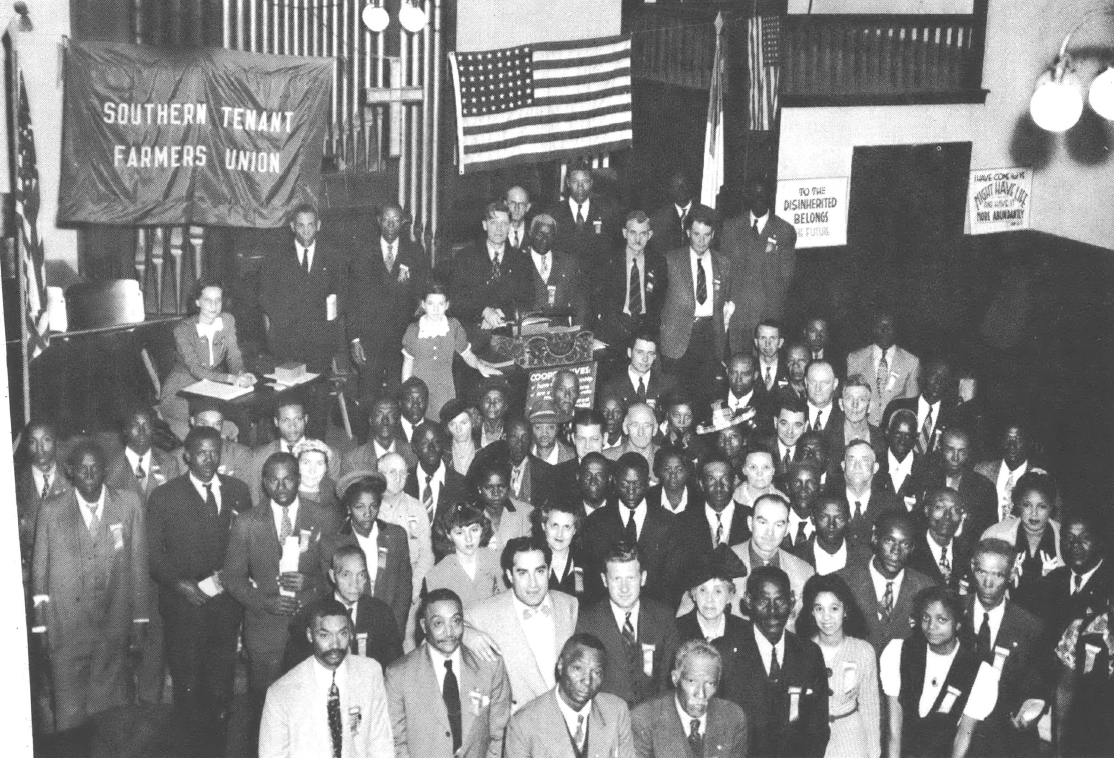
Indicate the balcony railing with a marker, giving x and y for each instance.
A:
(673, 45)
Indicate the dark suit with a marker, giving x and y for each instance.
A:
(856, 554)
(188, 541)
(453, 490)
(880, 632)
(859, 530)
(608, 283)
(28, 500)
(658, 385)
(626, 674)
(659, 733)
(121, 476)
(251, 573)
(959, 555)
(767, 704)
(768, 395)
(951, 416)
(373, 618)
(656, 550)
(977, 495)
(837, 445)
(567, 281)
(695, 536)
(694, 498)
(473, 287)
(669, 233)
(729, 645)
(1061, 607)
(762, 269)
(538, 485)
(394, 577)
(583, 241)
(379, 305)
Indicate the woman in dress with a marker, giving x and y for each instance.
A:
(560, 523)
(472, 569)
(429, 345)
(315, 486)
(456, 417)
(207, 348)
(831, 619)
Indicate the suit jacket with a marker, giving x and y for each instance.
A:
(363, 457)
(1060, 607)
(762, 267)
(837, 445)
(452, 491)
(472, 287)
(192, 356)
(379, 304)
(28, 500)
(902, 381)
(959, 554)
(900, 623)
(295, 304)
(498, 618)
(978, 496)
(608, 285)
(539, 730)
(656, 550)
(859, 530)
(538, 486)
(951, 415)
(121, 476)
(657, 387)
(680, 303)
(569, 288)
(659, 733)
(729, 645)
(696, 536)
(290, 728)
(669, 233)
(235, 460)
(694, 499)
(393, 581)
(627, 675)
(584, 242)
(259, 457)
(251, 567)
(767, 704)
(420, 721)
(373, 618)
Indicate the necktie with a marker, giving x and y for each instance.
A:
(816, 427)
(579, 214)
(516, 479)
(46, 487)
(701, 282)
(286, 528)
(496, 272)
(756, 230)
(94, 520)
(1006, 506)
(816, 354)
(305, 260)
(684, 234)
(719, 529)
(529, 613)
(427, 497)
(887, 603)
(514, 238)
(140, 475)
(925, 439)
(945, 564)
(631, 531)
(628, 631)
(450, 693)
(858, 509)
(786, 460)
(984, 638)
(1076, 584)
(634, 293)
(544, 270)
(775, 667)
(696, 740)
(578, 738)
(333, 709)
(641, 388)
(211, 501)
(800, 538)
(769, 378)
(883, 372)
(390, 259)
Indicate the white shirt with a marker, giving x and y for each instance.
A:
(324, 679)
(936, 550)
(880, 582)
(552, 457)
(370, 546)
(639, 515)
(794, 519)
(936, 668)
(590, 509)
(765, 648)
(829, 564)
(863, 499)
(350, 607)
(571, 717)
(772, 366)
(621, 616)
(782, 450)
(682, 210)
(88, 509)
(639, 262)
(760, 220)
(135, 460)
(824, 413)
(585, 208)
(40, 477)
(494, 252)
(996, 616)
(380, 451)
(543, 264)
(1084, 578)
(634, 376)
(725, 517)
(686, 720)
(304, 251)
(435, 483)
(923, 407)
(292, 509)
(890, 352)
(1005, 494)
(540, 635)
(517, 234)
(388, 249)
(735, 403)
(707, 308)
(407, 427)
(899, 470)
(680, 506)
(286, 447)
(200, 486)
(438, 661)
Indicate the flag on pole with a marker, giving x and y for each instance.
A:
(541, 101)
(27, 199)
(764, 59)
(713, 132)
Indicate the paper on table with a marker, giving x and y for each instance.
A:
(288, 563)
(211, 585)
(278, 384)
(217, 390)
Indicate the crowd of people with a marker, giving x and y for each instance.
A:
(744, 542)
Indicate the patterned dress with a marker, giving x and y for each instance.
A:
(853, 700)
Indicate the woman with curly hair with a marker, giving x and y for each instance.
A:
(471, 570)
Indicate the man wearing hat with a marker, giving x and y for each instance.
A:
(545, 420)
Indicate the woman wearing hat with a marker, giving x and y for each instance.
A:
(456, 417)
(315, 485)
(472, 569)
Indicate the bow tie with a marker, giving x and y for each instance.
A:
(544, 610)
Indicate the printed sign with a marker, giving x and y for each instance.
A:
(817, 209)
(1000, 199)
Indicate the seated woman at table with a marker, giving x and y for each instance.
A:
(315, 484)
(207, 348)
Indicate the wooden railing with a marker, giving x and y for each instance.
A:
(883, 60)
(673, 45)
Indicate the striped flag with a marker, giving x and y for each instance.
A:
(764, 59)
(713, 134)
(30, 243)
(541, 101)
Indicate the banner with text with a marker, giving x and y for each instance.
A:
(211, 137)
(817, 209)
(999, 199)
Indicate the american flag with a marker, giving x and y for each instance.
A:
(764, 59)
(542, 101)
(32, 257)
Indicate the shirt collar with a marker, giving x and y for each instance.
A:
(200, 485)
(86, 504)
(741, 402)
(583, 206)
(760, 219)
(324, 677)
(923, 405)
(135, 458)
(493, 251)
(570, 715)
(686, 719)
(292, 509)
(881, 581)
(1086, 576)
(682, 210)
(437, 658)
(520, 607)
(764, 646)
(996, 614)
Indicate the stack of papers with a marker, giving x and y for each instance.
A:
(217, 390)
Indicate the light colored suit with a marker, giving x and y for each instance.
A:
(658, 732)
(539, 730)
(902, 381)
(293, 728)
(419, 720)
(498, 618)
(680, 303)
(515, 522)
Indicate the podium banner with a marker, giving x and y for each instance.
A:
(211, 137)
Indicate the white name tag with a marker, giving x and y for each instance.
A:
(1092, 652)
(648, 659)
(794, 704)
(948, 702)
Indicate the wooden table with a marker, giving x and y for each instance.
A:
(260, 403)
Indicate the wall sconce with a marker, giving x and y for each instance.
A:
(1057, 101)
(410, 15)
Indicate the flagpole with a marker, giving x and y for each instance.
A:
(21, 263)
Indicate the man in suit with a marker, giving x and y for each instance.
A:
(721, 521)
(644, 381)
(691, 721)
(445, 701)
(939, 553)
(413, 400)
(680, 429)
(891, 370)
(188, 524)
(558, 285)
(292, 421)
(587, 223)
(761, 248)
(818, 341)
(593, 479)
(532, 479)
(937, 406)
(628, 517)
(902, 465)
(89, 584)
(638, 428)
(528, 625)
(587, 437)
(383, 286)
(668, 221)
(796, 368)
(1016, 460)
(1001, 625)
(976, 492)
(333, 703)
(383, 438)
(866, 502)
(743, 397)
(629, 289)
(489, 280)
(773, 373)
(273, 565)
(235, 459)
(38, 477)
(386, 547)
(885, 586)
(1081, 587)
(574, 719)
(782, 684)
(697, 306)
(139, 468)
(789, 424)
(827, 550)
(519, 205)
(545, 421)
(854, 404)
(639, 634)
(432, 483)
(802, 482)
(824, 414)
